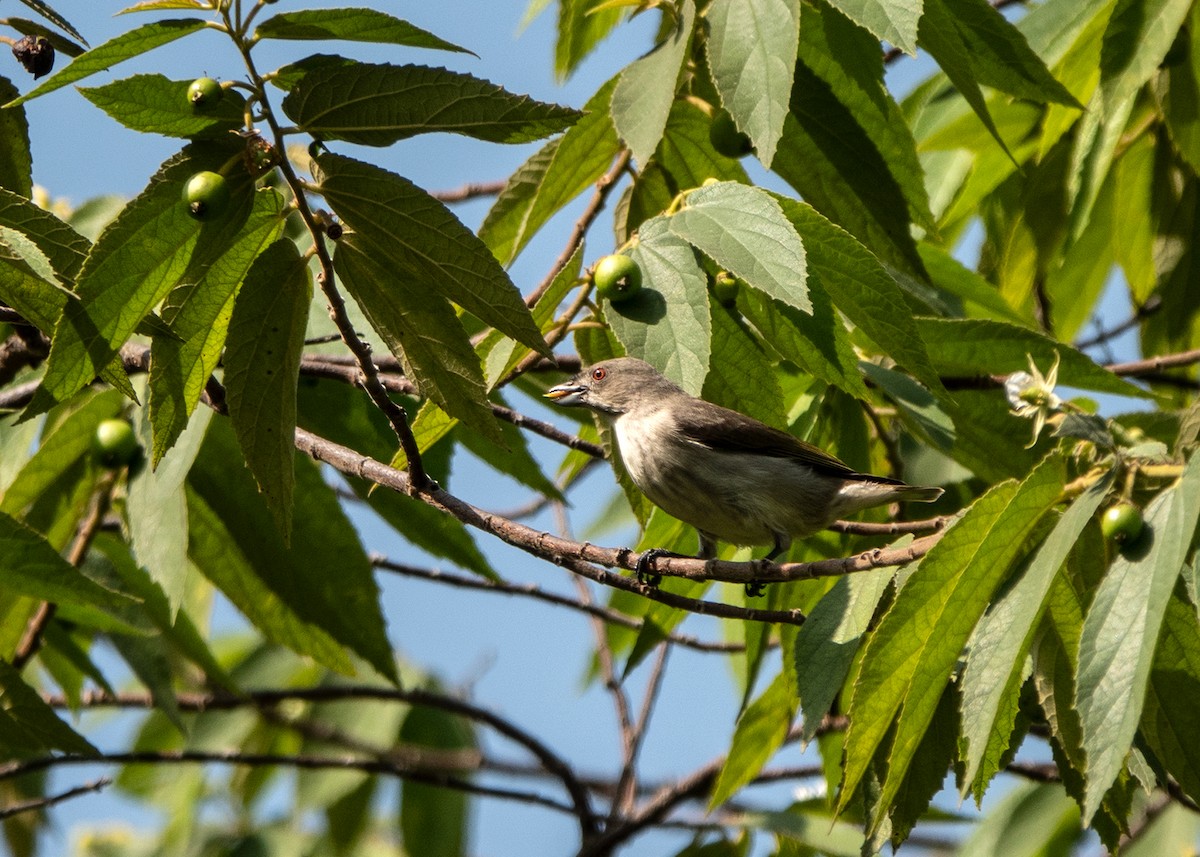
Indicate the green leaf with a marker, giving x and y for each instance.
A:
(980, 297)
(1172, 714)
(128, 45)
(61, 43)
(1121, 628)
(760, 732)
(830, 638)
(401, 224)
(30, 566)
(1137, 38)
(828, 157)
(422, 330)
(911, 655)
(394, 102)
(45, 10)
(666, 323)
(65, 442)
(156, 513)
(740, 375)
(513, 458)
(817, 343)
(64, 248)
(972, 347)
(346, 604)
(1002, 59)
(198, 311)
(996, 658)
(861, 289)
(16, 163)
(752, 53)
(744, 230)
(154, 104)
(551, 178)
(433, 821)
(642, 100)
(134, 263)
(848, 59)
(217, 554)
(580, 28)
(342, 414)
(939, 34)
(25, 711)
(262, 361)
(893, 21)
(1032, 820)
(354, 25)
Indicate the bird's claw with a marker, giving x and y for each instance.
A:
(755, 589)
(642, 567)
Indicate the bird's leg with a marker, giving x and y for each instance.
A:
(783, 541)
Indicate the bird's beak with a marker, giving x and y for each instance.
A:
(567, 394)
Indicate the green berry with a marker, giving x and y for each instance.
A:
(1122, 523)
(114, 443)
(206, 194)
(725, 287)
(725, 137)
(617, 277)
(203, 93)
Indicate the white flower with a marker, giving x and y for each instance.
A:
(1032, 395)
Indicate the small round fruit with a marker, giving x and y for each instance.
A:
(725, 137)
(1122, 523)
(206, 194)
(725, 287)
(114, 443)
(617, 277)
(203, 93)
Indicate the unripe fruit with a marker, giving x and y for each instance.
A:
(203, 93)
(617, 277)
(114, 444)
(725, 137)
(206, 194)
(725, 287)
(1122, 523)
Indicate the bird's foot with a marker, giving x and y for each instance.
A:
(755, 589)
(642, 568)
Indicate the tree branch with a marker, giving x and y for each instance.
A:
(530, 590)
(38, 804)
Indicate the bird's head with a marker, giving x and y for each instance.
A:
(614, 386)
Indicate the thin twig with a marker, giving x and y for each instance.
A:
(595, 205)
(471, 190)
(31, 640)
(627, 782)
(303, 762)
(38, 804)
(530, 590)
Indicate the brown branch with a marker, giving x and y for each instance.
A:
(551, 761)
(369, 378)
(1155, 364)
(626, 791)
(471, 190)
(595, 205)
(38, 804)
(530, 590)
(575, 556)
(303, 762)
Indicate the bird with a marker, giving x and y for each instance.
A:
(732, 477)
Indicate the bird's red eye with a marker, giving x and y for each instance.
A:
(598, 373)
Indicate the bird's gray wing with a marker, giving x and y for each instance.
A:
(727, 430)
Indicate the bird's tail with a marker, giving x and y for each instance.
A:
(917, 494)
